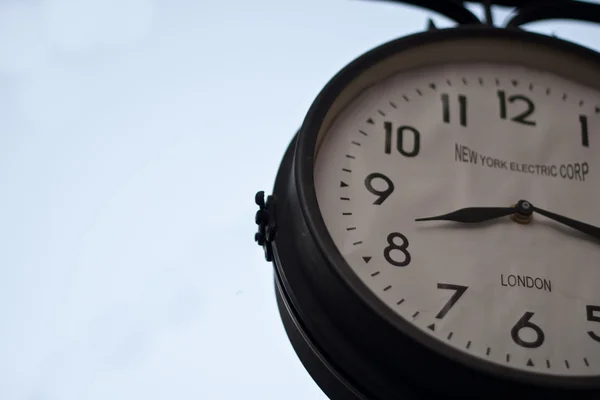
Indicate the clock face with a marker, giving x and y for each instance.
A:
(425, 143)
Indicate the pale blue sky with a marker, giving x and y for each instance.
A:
(133, 136)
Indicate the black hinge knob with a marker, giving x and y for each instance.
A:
(265, 219)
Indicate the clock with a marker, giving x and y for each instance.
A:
(433, 222)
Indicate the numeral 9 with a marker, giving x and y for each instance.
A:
(382, 194)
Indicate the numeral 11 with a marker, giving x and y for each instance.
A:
(462, 105)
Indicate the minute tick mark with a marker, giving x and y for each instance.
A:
(346, 170)
(355, 143)
(415, 314)
(350, 156)
(393, 105)
(388, 287)
(364, 133)
(345, 198)
(357, 243)
(381, 113)
(352, 228)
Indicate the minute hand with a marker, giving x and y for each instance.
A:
(591, 230)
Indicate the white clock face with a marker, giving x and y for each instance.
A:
(427, 143)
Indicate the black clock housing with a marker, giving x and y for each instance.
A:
(348, 341)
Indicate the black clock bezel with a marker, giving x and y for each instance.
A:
(360, 343)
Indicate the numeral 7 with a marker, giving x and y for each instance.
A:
(458, 292)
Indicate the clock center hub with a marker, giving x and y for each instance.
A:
(524, 212)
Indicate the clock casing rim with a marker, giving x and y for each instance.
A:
(315, 269)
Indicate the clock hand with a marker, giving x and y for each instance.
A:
(473, 214)
(522, 211)
(578, 225)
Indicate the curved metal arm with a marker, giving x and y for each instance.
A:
(452, 9)
(573, 10)
(525, 11)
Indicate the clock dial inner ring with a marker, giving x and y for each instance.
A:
(433, 140)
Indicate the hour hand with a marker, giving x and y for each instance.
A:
(473, 214)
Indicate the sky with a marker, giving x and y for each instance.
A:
(133, 137)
